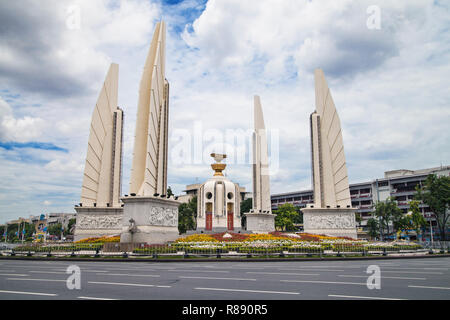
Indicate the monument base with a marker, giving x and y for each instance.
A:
(97, 222)
(260, 222)
(335, 222)
(149, 220)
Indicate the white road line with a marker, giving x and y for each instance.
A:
(285, 273)
(13, 274)
(131, 270)
(31, 266)
(360, 297)
(244, 290)
(51, 272)
(321, 267)
(402, 268)
(129, 275)
(313, 269)
(211, 278)
(202, 271)
(383, 277)
(328, 282)
(418, 272)
(82, 270)
(28, 279)
(94, 298)
(30, 293)
(128, 284)
(424, 287)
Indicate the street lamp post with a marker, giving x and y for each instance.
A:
(431, 229)
(379, 218)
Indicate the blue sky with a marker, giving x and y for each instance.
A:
(390, 85)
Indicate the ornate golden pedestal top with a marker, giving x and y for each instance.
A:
(218, 167)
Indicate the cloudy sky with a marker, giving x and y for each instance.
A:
(390, 85)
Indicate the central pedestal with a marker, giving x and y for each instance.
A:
(149, 219)
(260, 222)
(334, 222)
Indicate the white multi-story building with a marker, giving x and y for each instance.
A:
(399, 184)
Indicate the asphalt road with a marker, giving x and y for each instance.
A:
(400, 279)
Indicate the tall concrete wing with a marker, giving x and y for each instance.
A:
(261, 178)
(329, 170)
(103, 168)
(149, 167)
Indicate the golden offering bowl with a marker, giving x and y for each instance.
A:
(218, 168)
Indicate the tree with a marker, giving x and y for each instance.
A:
(286, 216)
(388, 212)
(12, 230)
(435, 193)
(68, 230)
(417, 219)
(401, 222)
(187, 214)
(29, 230)
(373, 228)
(18, 228)
(54, 229)
(358, 217)
(246, 206)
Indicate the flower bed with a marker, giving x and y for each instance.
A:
(277, 242)
(103, 239)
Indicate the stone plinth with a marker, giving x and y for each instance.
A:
(336, 222)
(260, 222)
(98, 222)
(155, 220)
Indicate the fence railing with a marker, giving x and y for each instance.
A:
(181, 250)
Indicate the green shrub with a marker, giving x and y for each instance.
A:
(155, 250)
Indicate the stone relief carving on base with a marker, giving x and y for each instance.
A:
(99, 222)
(167, 217)
(265, 224)
(335, 221)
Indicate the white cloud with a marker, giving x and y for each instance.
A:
(18, 129)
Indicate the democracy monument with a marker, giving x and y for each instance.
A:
(149, 215)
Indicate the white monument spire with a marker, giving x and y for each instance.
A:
(261, 178)
(260, 217)
(149, 168)
(329, 170)
(149, 215)
(103, 168)
(331, 213)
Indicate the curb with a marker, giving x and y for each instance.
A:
(226, 259)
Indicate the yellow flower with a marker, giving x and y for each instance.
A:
(197, 238)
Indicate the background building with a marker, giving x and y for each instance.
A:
(399, 184)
